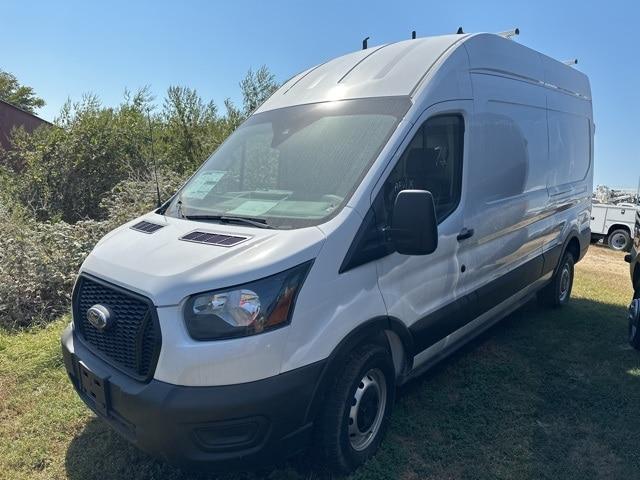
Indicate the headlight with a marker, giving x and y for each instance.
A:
(247, 309)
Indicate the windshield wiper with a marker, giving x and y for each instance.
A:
(255, 222)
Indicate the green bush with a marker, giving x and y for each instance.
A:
(63, 172)
(63, 187)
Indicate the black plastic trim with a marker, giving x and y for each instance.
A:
(152, 312)
(434, 327)
(147, 227)
(168, 420)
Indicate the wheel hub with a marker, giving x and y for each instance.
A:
(367, 409)
(565, 282)
(619, 241)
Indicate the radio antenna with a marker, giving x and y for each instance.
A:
(365, 43)
(153, 159)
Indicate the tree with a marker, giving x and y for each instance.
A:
(63, 173)
(189, 129)
(257, 87)
(18, 95)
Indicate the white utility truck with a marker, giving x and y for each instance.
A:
(614, 224)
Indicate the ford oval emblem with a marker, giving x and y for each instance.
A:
(100, 317)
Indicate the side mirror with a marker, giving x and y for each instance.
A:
(414, 226)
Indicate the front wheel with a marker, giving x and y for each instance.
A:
(619, 240)
(357, 410)
(558, 292)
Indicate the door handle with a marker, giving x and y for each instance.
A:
(465, 233)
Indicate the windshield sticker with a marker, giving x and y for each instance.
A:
(253, 207)
(201, 185)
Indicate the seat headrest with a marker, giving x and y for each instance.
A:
(422, 161)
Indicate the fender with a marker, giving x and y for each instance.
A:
(553, 256)
(370, 331)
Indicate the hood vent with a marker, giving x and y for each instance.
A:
(213, 239)
(147, 227)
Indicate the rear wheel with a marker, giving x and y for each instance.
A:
(357, 409)
(558, 292)
(619, 240)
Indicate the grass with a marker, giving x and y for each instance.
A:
(543, 395)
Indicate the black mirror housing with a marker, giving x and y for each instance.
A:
(414, 225)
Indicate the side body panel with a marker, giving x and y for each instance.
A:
(527, 189)
(414, 287)
(506, 188)
(616, 215)
(570, 173)
(598, 219)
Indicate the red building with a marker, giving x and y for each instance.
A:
(11, 116)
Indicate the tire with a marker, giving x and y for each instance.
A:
(360, 400)
(634, 324)
(619, 240)
(634, 321)
(558, 292)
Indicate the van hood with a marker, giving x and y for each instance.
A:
(166, 269)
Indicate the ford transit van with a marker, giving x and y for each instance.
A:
(375, 213)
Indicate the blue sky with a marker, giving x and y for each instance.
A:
(64, 49)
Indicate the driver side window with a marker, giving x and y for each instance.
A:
(433, 162)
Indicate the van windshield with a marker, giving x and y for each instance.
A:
(291, 167)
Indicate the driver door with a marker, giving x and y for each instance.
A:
(421, 290)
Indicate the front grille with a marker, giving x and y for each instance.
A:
(131, 342)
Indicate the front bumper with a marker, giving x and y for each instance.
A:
(233, 426)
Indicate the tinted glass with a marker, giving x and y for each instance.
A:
(433, 162)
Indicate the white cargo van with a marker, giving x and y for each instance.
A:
(378, 211)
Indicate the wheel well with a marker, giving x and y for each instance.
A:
(618, 226)
(385, 331)
(573, 247)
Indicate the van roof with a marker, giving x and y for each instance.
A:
(398, 69)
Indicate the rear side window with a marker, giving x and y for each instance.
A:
(433, 162)
(569, 148)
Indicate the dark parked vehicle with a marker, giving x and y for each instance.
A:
(634, 308)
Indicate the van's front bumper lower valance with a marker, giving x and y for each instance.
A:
(234, 426)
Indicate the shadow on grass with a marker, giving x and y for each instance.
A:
(100, 453)
(542, 394)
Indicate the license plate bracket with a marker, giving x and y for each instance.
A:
(94, 387)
